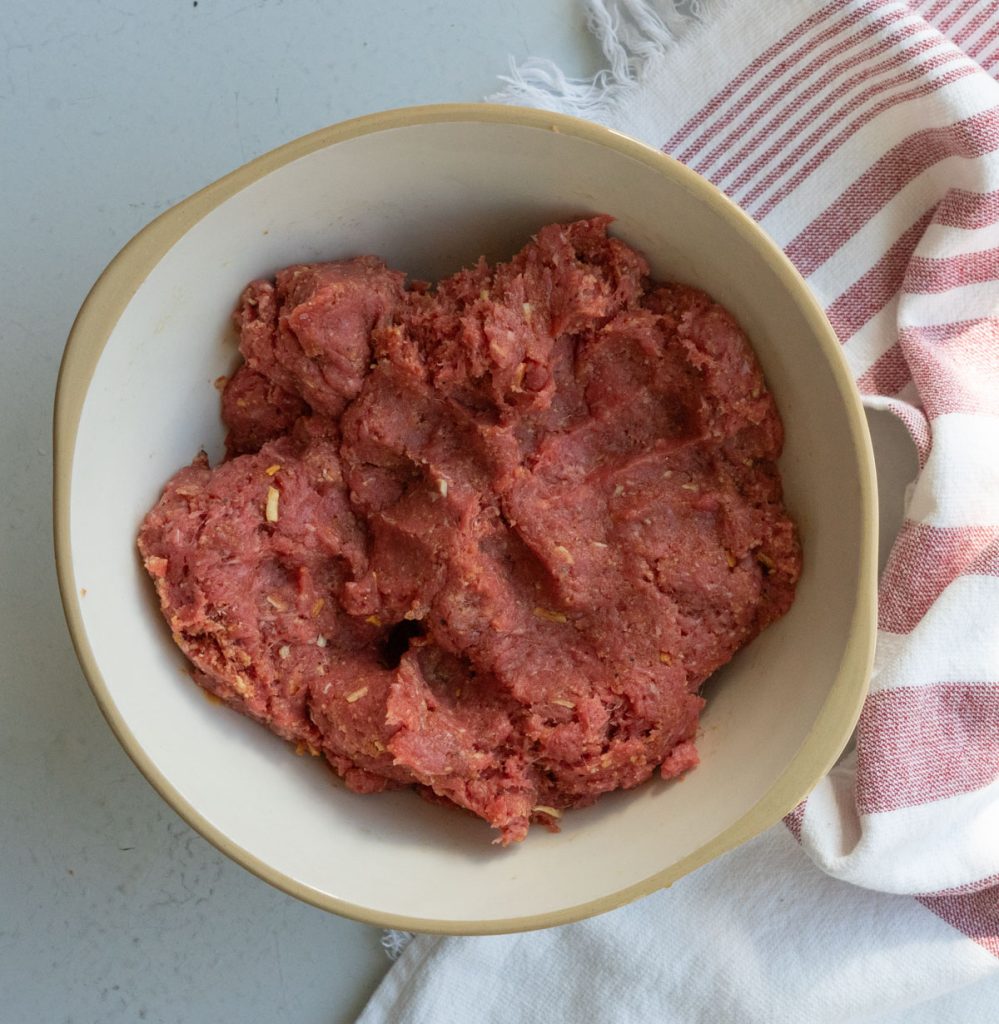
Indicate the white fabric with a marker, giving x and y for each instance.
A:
(759, 935)
(961, 478)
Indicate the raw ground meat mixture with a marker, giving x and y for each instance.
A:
(486, 538)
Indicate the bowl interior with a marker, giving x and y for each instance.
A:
(429, 197)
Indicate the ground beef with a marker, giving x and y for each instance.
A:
(486, 538)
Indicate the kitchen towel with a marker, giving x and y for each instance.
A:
(863, 135)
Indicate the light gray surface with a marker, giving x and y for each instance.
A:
(111, 908)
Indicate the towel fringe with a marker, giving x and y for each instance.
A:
(394, 942)
(632, 35)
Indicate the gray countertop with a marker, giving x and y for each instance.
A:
(111, 908)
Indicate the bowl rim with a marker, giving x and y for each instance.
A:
(122, 277)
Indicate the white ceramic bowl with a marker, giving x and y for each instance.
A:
(429, 189)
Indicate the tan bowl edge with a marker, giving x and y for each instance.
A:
(126, 272)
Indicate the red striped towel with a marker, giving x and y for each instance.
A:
(864, 136)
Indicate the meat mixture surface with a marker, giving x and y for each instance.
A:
(489, 537)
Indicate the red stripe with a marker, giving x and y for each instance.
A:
(976, 23)
(942, 333)
(871, 293)
(741, 108)
(946, 24)
(753, 119)
(983, 42)
(934, 8)
(955, 366)
(754, 68)
(930, 275)
(793, 820)
(969, 210)
(988, 60)
(814, 115)
(887, 376)
(919, 744)
(962, 38)
(965, 68)
(924, 561)
(973, 914)
(880, 183)
(918, 426)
